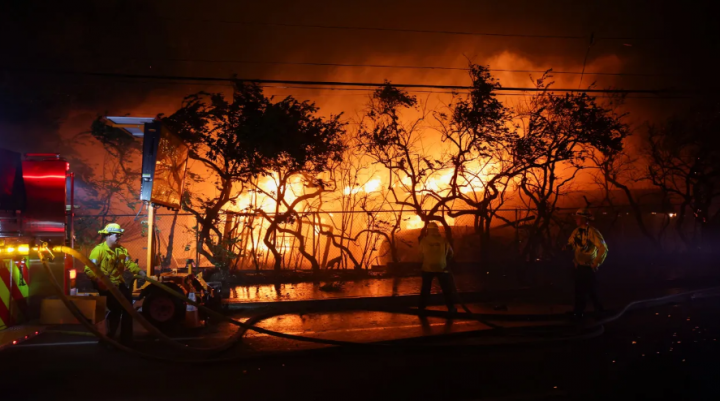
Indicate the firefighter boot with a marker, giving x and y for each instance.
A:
(112, 322)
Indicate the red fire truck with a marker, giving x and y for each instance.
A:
(35, 193)
(34, 200)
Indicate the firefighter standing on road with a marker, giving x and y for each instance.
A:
(436, 251)
(590, 252)
(114, 261)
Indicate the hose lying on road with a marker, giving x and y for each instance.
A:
(467, 310)
(94, 330)
(540, 333)
(248, 325)
(545, 335)
(153, 330)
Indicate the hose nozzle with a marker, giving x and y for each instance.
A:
(44, 250)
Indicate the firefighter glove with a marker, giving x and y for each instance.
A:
(141, 281)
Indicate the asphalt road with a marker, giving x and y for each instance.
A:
(669, 352)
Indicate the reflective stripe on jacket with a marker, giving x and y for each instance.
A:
(112, 262)
(589, 246)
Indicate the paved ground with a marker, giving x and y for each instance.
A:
(667, 352)
(375, 287)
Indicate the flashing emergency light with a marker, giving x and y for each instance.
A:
(20, 249)
(72, 274)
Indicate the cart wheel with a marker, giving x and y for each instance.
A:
(163, 310)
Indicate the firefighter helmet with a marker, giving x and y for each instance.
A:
(584, 212)
(112, 228)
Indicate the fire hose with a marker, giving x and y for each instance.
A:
(129, 308)
(456, 293)
(251, 323)
(153, 330)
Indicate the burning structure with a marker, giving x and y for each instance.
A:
(275, 185)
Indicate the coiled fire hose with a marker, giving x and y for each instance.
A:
(250, 324)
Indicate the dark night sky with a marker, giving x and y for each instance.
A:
(675, 43)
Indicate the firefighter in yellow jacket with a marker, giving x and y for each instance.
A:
(114, 261)
(590, 252)
(436, 251)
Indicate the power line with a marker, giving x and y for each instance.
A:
(403, 30)
(358, 91)
(450, 92)
(327, 83)
(368, 90)
(587, 53)
(360, 65)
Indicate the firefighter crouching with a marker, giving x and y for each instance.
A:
(590, 252)
(436, 251)
(114, 261)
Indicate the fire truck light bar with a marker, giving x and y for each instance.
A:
(22, 249)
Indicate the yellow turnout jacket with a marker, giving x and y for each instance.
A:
(435, 253)
(112, 262)
(589, 246)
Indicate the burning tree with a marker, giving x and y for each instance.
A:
(559, 132)
(252, 137)
(396, 145)
(483, 157)
(360, 196)
(209, 124)
(292, 147)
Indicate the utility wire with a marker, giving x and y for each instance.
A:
(365, 91)
(360, 65)
(451, 92)
(587, 53)
(305, 82)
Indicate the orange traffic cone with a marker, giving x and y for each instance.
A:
(192, 318)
